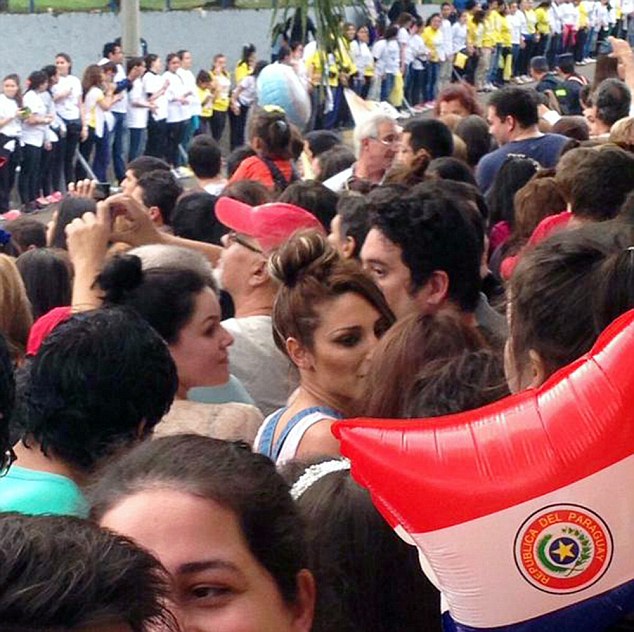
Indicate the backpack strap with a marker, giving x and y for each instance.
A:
(278, 177)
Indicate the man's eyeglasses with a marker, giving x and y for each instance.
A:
(235, 238)
(6, 461)
(388, 140)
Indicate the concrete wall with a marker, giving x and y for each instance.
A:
(31, 41)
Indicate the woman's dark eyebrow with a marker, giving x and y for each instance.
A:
(196, 567)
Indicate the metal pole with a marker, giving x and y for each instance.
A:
(130, 27)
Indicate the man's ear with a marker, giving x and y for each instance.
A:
(437, 288)
(348, 247)
(155, 215)
(259, 273)
(299, 355)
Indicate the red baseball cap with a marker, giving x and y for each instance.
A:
(269, 224)
(44, 325)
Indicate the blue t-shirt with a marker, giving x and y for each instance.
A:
(33, 492)
(544, 149)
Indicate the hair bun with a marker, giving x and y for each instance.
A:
(306, 253)
(120, 275)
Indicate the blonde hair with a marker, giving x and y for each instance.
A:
(15, 309)
(622, 132)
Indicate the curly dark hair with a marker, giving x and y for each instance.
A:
(60, 572)
(432, 228)
(99, 381)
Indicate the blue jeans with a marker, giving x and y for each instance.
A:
(415, 85)
(515, 53)
(119, 134)
(431, 80)
(592, 33)
(101, 158)
(137, 142)
(492, 75)
(387, 84)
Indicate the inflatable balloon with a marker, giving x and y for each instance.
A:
(522, 510)
(279, 85)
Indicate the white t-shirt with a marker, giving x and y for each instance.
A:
(94, 115)
(388, 56)
(121, 106)
(215, 188)
(458, 37)
(254, 359)
(68, 107)
(523, 23)
(137, 113)
(569, 14)
(152, 83)
(361, 56)
(515, 24)
(34, 134)
(248, 91)
(193, 107)
(49, 135)
(447, 37)
(8, 108)
(176, 111)
(554, 18)
(417, 52)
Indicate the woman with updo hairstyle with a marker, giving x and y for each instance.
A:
(180, 302)
(327, 318)
(383, 591)
(269, 134)
(231, 540)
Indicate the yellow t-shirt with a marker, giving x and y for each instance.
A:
(430, 37)
(472, 31)
(496, 27)
(242, 71)
(542, 25)
(203, 94)
(222, 83)
(488, 35)
(583, 16)
(337, 63)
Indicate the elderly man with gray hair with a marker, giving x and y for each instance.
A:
(376, 143)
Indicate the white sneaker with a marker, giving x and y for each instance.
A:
(591, 60)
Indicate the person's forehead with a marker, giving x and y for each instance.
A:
(492, 112)
(379, 247)
(386, 127)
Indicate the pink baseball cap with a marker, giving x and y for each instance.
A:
(269, 224)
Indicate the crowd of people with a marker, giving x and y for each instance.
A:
(172, 361)
(116, 110)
